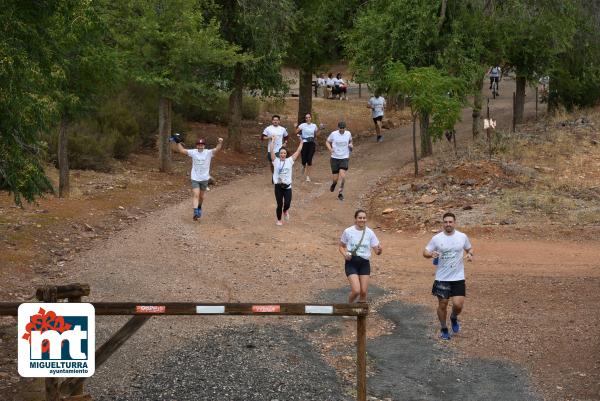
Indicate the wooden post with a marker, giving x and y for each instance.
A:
(536, 103)
(49, 294)
(361, 358)
(514, 119)
(77, 390)
(107, 349)
(359, 90)
(52, 390)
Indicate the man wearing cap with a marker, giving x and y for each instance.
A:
(200, 174)
(340, 145)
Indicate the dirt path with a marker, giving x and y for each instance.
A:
(238, 254)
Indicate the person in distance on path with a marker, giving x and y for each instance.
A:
(307, 131)
(447, 249)
(377, 106)
(282, 180)
(340, 145)
(276, 134)
(200, 174)
(356, 244)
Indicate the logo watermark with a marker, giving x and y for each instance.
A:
(56, 340)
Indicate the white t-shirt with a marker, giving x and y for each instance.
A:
(351, 238)
(495, 72)
(329, 81)
(275, 134)
(377, 106)
(308, 131)
(200, 163)
(451, 247)
(321, 82)
(282, 171)
(340, 143)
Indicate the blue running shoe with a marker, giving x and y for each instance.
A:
(199, 212)
(455, 325)
(444, 335)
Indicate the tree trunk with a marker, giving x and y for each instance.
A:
(234, 128)
(63, 160)
(414, 133)
(551, 97)
(520, 100)
(477, 105)
(426, 145)
(442, 14)
(305, 94)
(164, 132)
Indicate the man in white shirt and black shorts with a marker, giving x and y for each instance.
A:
(377, 106)
(340, 145)
(277, 135)
(447, 249)
(200, 174)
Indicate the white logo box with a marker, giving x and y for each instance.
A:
(56, 340)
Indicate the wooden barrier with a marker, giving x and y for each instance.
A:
(141, 312)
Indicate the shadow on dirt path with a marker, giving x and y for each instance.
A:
(411, 364)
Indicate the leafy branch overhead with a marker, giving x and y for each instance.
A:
(430, 92)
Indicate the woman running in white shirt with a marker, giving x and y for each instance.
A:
(307, 131)
(282, 178)
(356, 244)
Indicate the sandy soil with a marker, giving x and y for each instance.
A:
(532, 302)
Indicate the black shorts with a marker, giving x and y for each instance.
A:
(358, 265)
(449, 289)
(307, 152)
(269, 156)
(338, 164)
(378, 118)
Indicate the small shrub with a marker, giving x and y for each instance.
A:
(215, 110)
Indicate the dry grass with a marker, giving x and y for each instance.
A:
(548, 172)
(556, 165)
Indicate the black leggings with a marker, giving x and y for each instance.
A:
(283, 198)
(308, 151)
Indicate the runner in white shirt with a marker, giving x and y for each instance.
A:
(282, 179)
(355, 246)
(277, 135)
(340, 145)
(307, 131)
(377, 106)
(447, 249)
(200, 174)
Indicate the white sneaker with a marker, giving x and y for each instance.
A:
(279, 223)
(307, 179)
(286, 216)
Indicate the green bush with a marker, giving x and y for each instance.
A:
(88, 147)
(575, 77)
(214, 110)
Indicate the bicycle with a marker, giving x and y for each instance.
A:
(495, 88)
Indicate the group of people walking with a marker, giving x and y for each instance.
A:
(358, 242)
